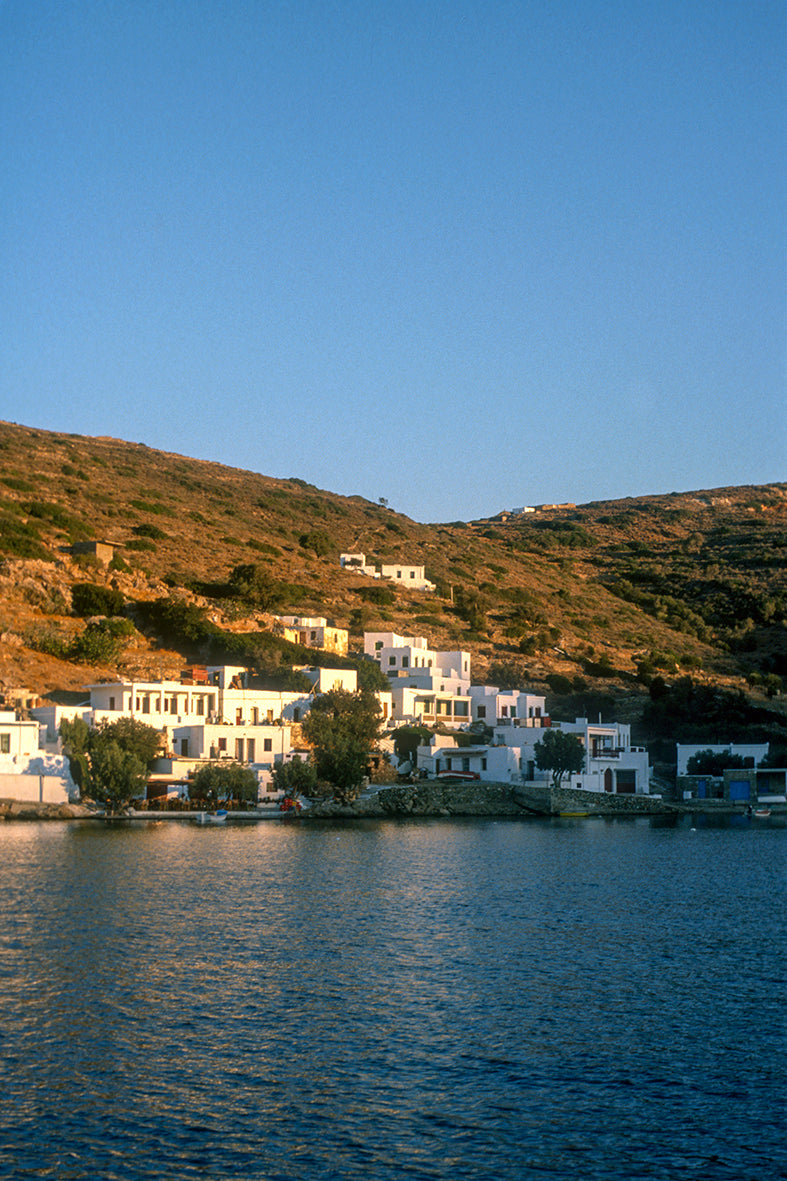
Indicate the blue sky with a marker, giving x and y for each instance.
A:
(464, 256)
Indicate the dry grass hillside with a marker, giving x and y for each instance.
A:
(588, 602)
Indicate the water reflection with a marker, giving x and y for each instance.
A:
(438, 999)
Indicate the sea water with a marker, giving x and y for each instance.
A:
(422, 999)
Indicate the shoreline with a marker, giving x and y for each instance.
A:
(427, 799)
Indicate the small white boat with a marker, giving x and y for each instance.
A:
(218, 817)
(762, 813)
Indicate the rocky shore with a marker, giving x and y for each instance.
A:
(28, 810)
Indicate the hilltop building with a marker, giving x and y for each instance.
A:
(413, 577)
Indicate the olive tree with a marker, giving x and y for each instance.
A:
(224, 781)
(110, 762)
(342, 727)
(561, 753)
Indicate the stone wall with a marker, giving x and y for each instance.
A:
(429, 798)
(569, 799)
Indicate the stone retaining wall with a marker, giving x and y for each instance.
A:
(428, 798)
(432, 798)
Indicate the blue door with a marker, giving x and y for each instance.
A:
(739, 789)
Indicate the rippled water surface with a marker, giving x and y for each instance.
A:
(437, 999)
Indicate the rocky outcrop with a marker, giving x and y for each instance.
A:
(31, 810)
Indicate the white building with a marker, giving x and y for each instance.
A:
(325, 679)
(754, 751)
(507, 707)
(27, 771)
(262, 746)
(413, 577)
(492, 764)
(314, 632)
(429, 707)
(611, 763)
(411, 655)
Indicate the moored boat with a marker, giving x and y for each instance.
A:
(217, 817)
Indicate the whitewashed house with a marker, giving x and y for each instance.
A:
(413, 577)
(429, 707)
(28, 772)
(314, 632)
(752, 753)
(612, 764)
(507, 707)
(485, 761)
(411, 656)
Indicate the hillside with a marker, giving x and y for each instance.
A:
(588, 602)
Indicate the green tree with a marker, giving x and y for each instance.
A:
(342, 727)
(110, 762)
(407, 739)
(253, 584)
(371, 676)
(224, 781)
(102, 641)
(710, 762)
(561, 753)
(118, 775)
(295, 777)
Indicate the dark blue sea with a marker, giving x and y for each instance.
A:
(429, 999)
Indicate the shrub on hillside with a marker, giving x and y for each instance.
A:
(318, 542)
(88, 598)
(381, 596)
(151, 531)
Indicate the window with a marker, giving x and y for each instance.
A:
(200, 706)
(378, 645)
(239, 749)
(146, 704)
(465, 764)
(5, 744)
(250, 751)
(112, 703)
(412, 573)
(255, 716)
(267, 744)
(483, 764)
(460, 709)
(269, 715)
(504, 711)
(405, 661)
(222, 744)
(392, 660)
(482, 711)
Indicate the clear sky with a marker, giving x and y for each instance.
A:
(462, 255)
